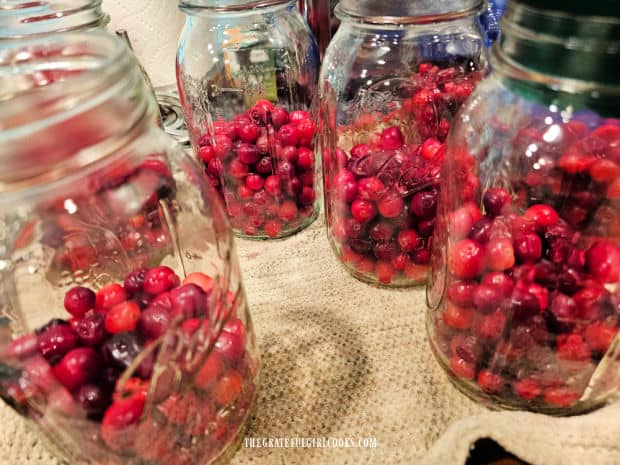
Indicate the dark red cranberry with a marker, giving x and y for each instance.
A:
(522, 305)
(264, 165)
(247, 153)
(230, 346)
(92, 399)
(361, 246)
(486, 298)
(78, 367)
(293, 187)
(467, 347)
(426, 227)
(481, 230)
(495, 200)
(56, 341)
(121, 349)
(424, 204)
(569, 282)
(79, 300)
(382, 232)
(188, 300)
(134, 282)
(160, 279)
(353, 229)
(91, 329)
(385, 250)
(154, 321)
(286, 170)
(421, 256)
(564, 308)
(528, 247)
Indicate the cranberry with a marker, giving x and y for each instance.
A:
(287, 211)
(426, 227)
(78, 367)
(286, 170)
(391, 205)
(262, 144)
(160, 279)
(490, 382)
(272, 185)
(421, 256)
(91, 329)
(573, 347)
(522, 305)
(462, 368)
(500, 254)
(56, 341)
(23, 347)
(461, 223)
(293, 187)
(188, 300)
(272, 228)
(263, 166)
(560, 396)
(424, 204)
(279, 117)
(228, 388)
(92, 399)
(370, 188)
(461, 293)
(401, 261)
(385, 250)
(599, 336)
(248, 132)
(110, 295)
(121, 349)
(384, 271)
(297, 116)
(528, 248)
(481, 230)
(564, 308)
(79, 300)
(254, 182)
(541, 294)
(134, 282)
(527, 388)
(430, 148)
(542, 214)
(305, 130)
(360, 150)
(223, 145)
(467, 347)
(495, 200)
(210, 372)
(382, 232)
(363, 211)
(458, 317)
(408, 240)
(467, 259)
(486, 298)
(122, 317)
(206, 153)
(230, 346)
(288, 134)
(499, 281)
(603, 261)
(305, 158)
(117, 420)
(392, 138)
(490, 326)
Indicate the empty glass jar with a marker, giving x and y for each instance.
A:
(125, 333)
(27, 18)
(524, 290)
(246, 72)
(392, 80)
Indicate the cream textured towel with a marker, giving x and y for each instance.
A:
(342, 359)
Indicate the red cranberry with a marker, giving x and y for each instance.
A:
(92, 399)
(279, 117)
(110, 295)
(298, 116)
(424, 204)
(305, 158)
(370, 188)
(542, 214)
(603, 261)
(573, 347)
(385, 250)
(254, 182)
(384, 271)
(599, 336)
(490, 382)
(458, 317)
(153, 323)
(421, 256)
(426, 227)
(408, 240)
(289, 153)
(486, 298)
(564, 308)
(23, 347)
(522, 305)
(117, 420)
(499, 281)
(247, 153)
(560, 396)
(354, 229)
(401, 261)
(78, 367)
(305, 130)
(287, 211)
(286, 170)
(249, 132)
(293, 187)
(462, 368)
(527, 388)
(206, 153)
(461, 293)
(264, 165)
(288, 134)
(360, 150)
(495, 200)
(134, 282)
(188, 300)
(272, 185)
(79, 300)
(230, 346)
(238, 169)
(223, 145)
(481, 230)
(528, 247)
(56, 341)
(91, 329)
(363, 211)
(160, 279)
(467, 259)
(491, 326)
(392, 138)
(431, 148)
(391, 205)
(122, 317)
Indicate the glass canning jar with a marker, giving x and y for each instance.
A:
(246, 72)
(524, 291)
(124, 329)
(31, 18)
(392, 79)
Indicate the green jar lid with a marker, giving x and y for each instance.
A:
(609, 8)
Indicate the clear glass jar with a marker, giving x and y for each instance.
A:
(124, 330)
(524, 291)
(389, 88)
(28, 18)
(246, 72)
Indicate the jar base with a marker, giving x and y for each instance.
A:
(289, 232)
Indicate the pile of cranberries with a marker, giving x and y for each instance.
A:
(99, 364)
(381, 196)
(263, 164)
(531, 303)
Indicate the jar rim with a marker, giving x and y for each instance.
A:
(219, 6)
(31, 18)
(47, 82)
(409, 14)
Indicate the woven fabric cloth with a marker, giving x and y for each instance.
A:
(342, 359)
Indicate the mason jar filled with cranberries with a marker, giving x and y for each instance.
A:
(391, 82)
(27, 18)
(124, 329)
(524, 291)
(246, 72)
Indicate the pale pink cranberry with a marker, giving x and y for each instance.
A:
(160, 279)
(495, 200)
(603, 261)
(490, 326)
(461, 223)
(500, 254)
(363, 211)
(528, 247)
